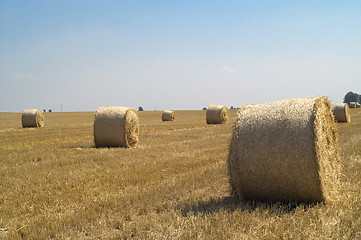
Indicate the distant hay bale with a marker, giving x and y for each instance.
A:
(341, 112)
(285, 151)
(216, 114)
(168, 115)
(358, 105)
(116, 127)
(352, 105)
(32, 118)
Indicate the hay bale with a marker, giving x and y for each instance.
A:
(216, 114)
(352, 105)
(116, 127)
(168, 115)
(341, 112)
(32, 118)
(285, 151)
(358, 105)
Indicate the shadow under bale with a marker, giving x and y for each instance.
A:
(230, 204)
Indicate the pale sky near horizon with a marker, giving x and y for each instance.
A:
(175, 54)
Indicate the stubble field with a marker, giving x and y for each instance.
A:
(173, 185)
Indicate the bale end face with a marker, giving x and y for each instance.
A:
(285, 151)
(131, 128)
(326, 145)
(116, 127)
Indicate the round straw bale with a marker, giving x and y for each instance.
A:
(216, 114)
(168, 115)
(285, 151)
(353, 105)
(116, 127)
(32, 118)
(341, 112)
(358, 105)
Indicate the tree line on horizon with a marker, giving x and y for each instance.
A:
(349, 97)
(352, 97)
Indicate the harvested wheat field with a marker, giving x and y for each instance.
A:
(172, 184)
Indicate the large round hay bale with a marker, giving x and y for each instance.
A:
(216, 114)
(32, 118)
(341, 112)
(352, 104)
(168, 115)
(285, 151)
(116, 127)
(358, 105)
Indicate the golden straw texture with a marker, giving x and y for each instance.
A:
(341, 112)
(168, 115)
(116, 127)
(216, 114)
(353, 105)
(285, 151)
(32, 118)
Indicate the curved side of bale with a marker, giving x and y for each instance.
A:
(32, 118)
(168, 115)
(216, 114)
(116, 127)
(353, 104)
(285, 151)
(358, 105)
(341, 112)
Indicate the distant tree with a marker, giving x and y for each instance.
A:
(231, 108)
(50, 110)
(140, 109)
(204, 108)
(352, 97)
(44, 110)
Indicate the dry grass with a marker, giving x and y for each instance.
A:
(172, 185)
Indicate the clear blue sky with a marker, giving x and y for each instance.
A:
(174, 54)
